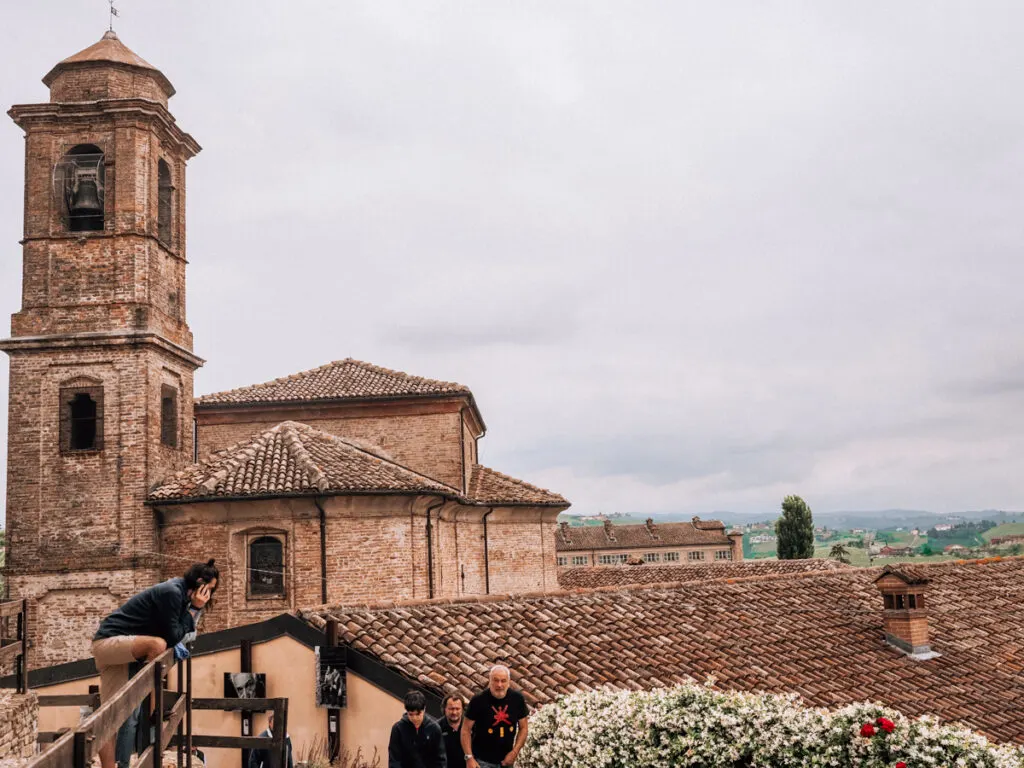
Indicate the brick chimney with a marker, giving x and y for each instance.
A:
(563, 529)
(905, 610)
(609, 530)
(652, 529)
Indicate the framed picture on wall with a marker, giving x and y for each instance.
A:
(330, 676)
(245, 685)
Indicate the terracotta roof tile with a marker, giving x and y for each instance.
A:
(819, 634)
(572, 538)
(487, 486)
(346, 379)
(293, 459)
(622, 575)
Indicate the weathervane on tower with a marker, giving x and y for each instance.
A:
(113, 13)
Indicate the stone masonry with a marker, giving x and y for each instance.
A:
(18, 716)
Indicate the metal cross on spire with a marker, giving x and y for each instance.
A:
(113, 13)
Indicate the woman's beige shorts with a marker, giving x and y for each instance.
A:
(113, 655)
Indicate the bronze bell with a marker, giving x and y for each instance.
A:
(86, 208)
(86, 200)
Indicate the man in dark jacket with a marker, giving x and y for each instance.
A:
(147, 625)
(260, 758)
(416, 740)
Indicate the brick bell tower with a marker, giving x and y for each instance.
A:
(101, 361)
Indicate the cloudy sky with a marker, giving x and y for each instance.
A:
(689, 256)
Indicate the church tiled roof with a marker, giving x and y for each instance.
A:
(487, 486)
(575, 538)
(819, 634)
(108, 48)
(646, 573)
(293, 459)
(346, 379)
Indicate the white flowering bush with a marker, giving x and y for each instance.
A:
(693, 725)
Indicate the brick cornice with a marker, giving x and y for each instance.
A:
(31, 115)
(100, 339)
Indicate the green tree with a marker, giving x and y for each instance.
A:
(840, 553)
(795, 530)
(926, 550)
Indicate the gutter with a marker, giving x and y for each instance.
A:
(487, 564)
(430, 549)
(323, 551)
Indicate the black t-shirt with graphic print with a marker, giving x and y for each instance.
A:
(495, 723)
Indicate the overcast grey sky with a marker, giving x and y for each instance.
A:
(689, 256)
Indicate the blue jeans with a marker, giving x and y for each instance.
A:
(125, 746)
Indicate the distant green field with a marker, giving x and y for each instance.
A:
(1006, 529)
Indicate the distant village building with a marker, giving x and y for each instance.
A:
(696, 542)
(888, 551)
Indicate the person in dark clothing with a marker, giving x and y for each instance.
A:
(452, 706)
(416, 740)
(144, 627)
(495, 724)
(260, 758)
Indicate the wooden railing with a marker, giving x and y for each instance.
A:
(76, 747)
(79, 745)
(17, 650)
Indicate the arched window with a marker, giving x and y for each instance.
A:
(266, 566)
(164, 203)
(78, 181)
(81, 419)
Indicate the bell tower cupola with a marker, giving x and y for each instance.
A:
(101, 361)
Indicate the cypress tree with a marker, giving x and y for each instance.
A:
(795, 530)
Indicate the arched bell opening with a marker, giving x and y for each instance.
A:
(78, 181)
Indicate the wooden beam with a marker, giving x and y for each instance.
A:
(9, 653)
(173, 720)
(71, 700)
(232, 705)
(228, 742)
(102, 725)
(48, 737)
(57, 755)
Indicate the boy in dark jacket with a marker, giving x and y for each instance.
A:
(416, 740)
(147, 625)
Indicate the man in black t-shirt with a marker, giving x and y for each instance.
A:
(496, 722)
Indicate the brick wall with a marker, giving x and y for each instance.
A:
(427, 442)
(108, 81)
(19, 714)
(376, 550)
(80, 539)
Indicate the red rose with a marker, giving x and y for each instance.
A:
(886, 725)
(900, 764)
(867, 730)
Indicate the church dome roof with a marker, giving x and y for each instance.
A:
(109, 50)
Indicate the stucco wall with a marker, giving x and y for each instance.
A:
(289, 667)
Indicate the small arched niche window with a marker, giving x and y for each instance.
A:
(81, 419)
(165, 192)
(266, 566)
(78, 182)
(169, 416)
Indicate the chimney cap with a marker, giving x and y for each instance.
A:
(906, 573)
